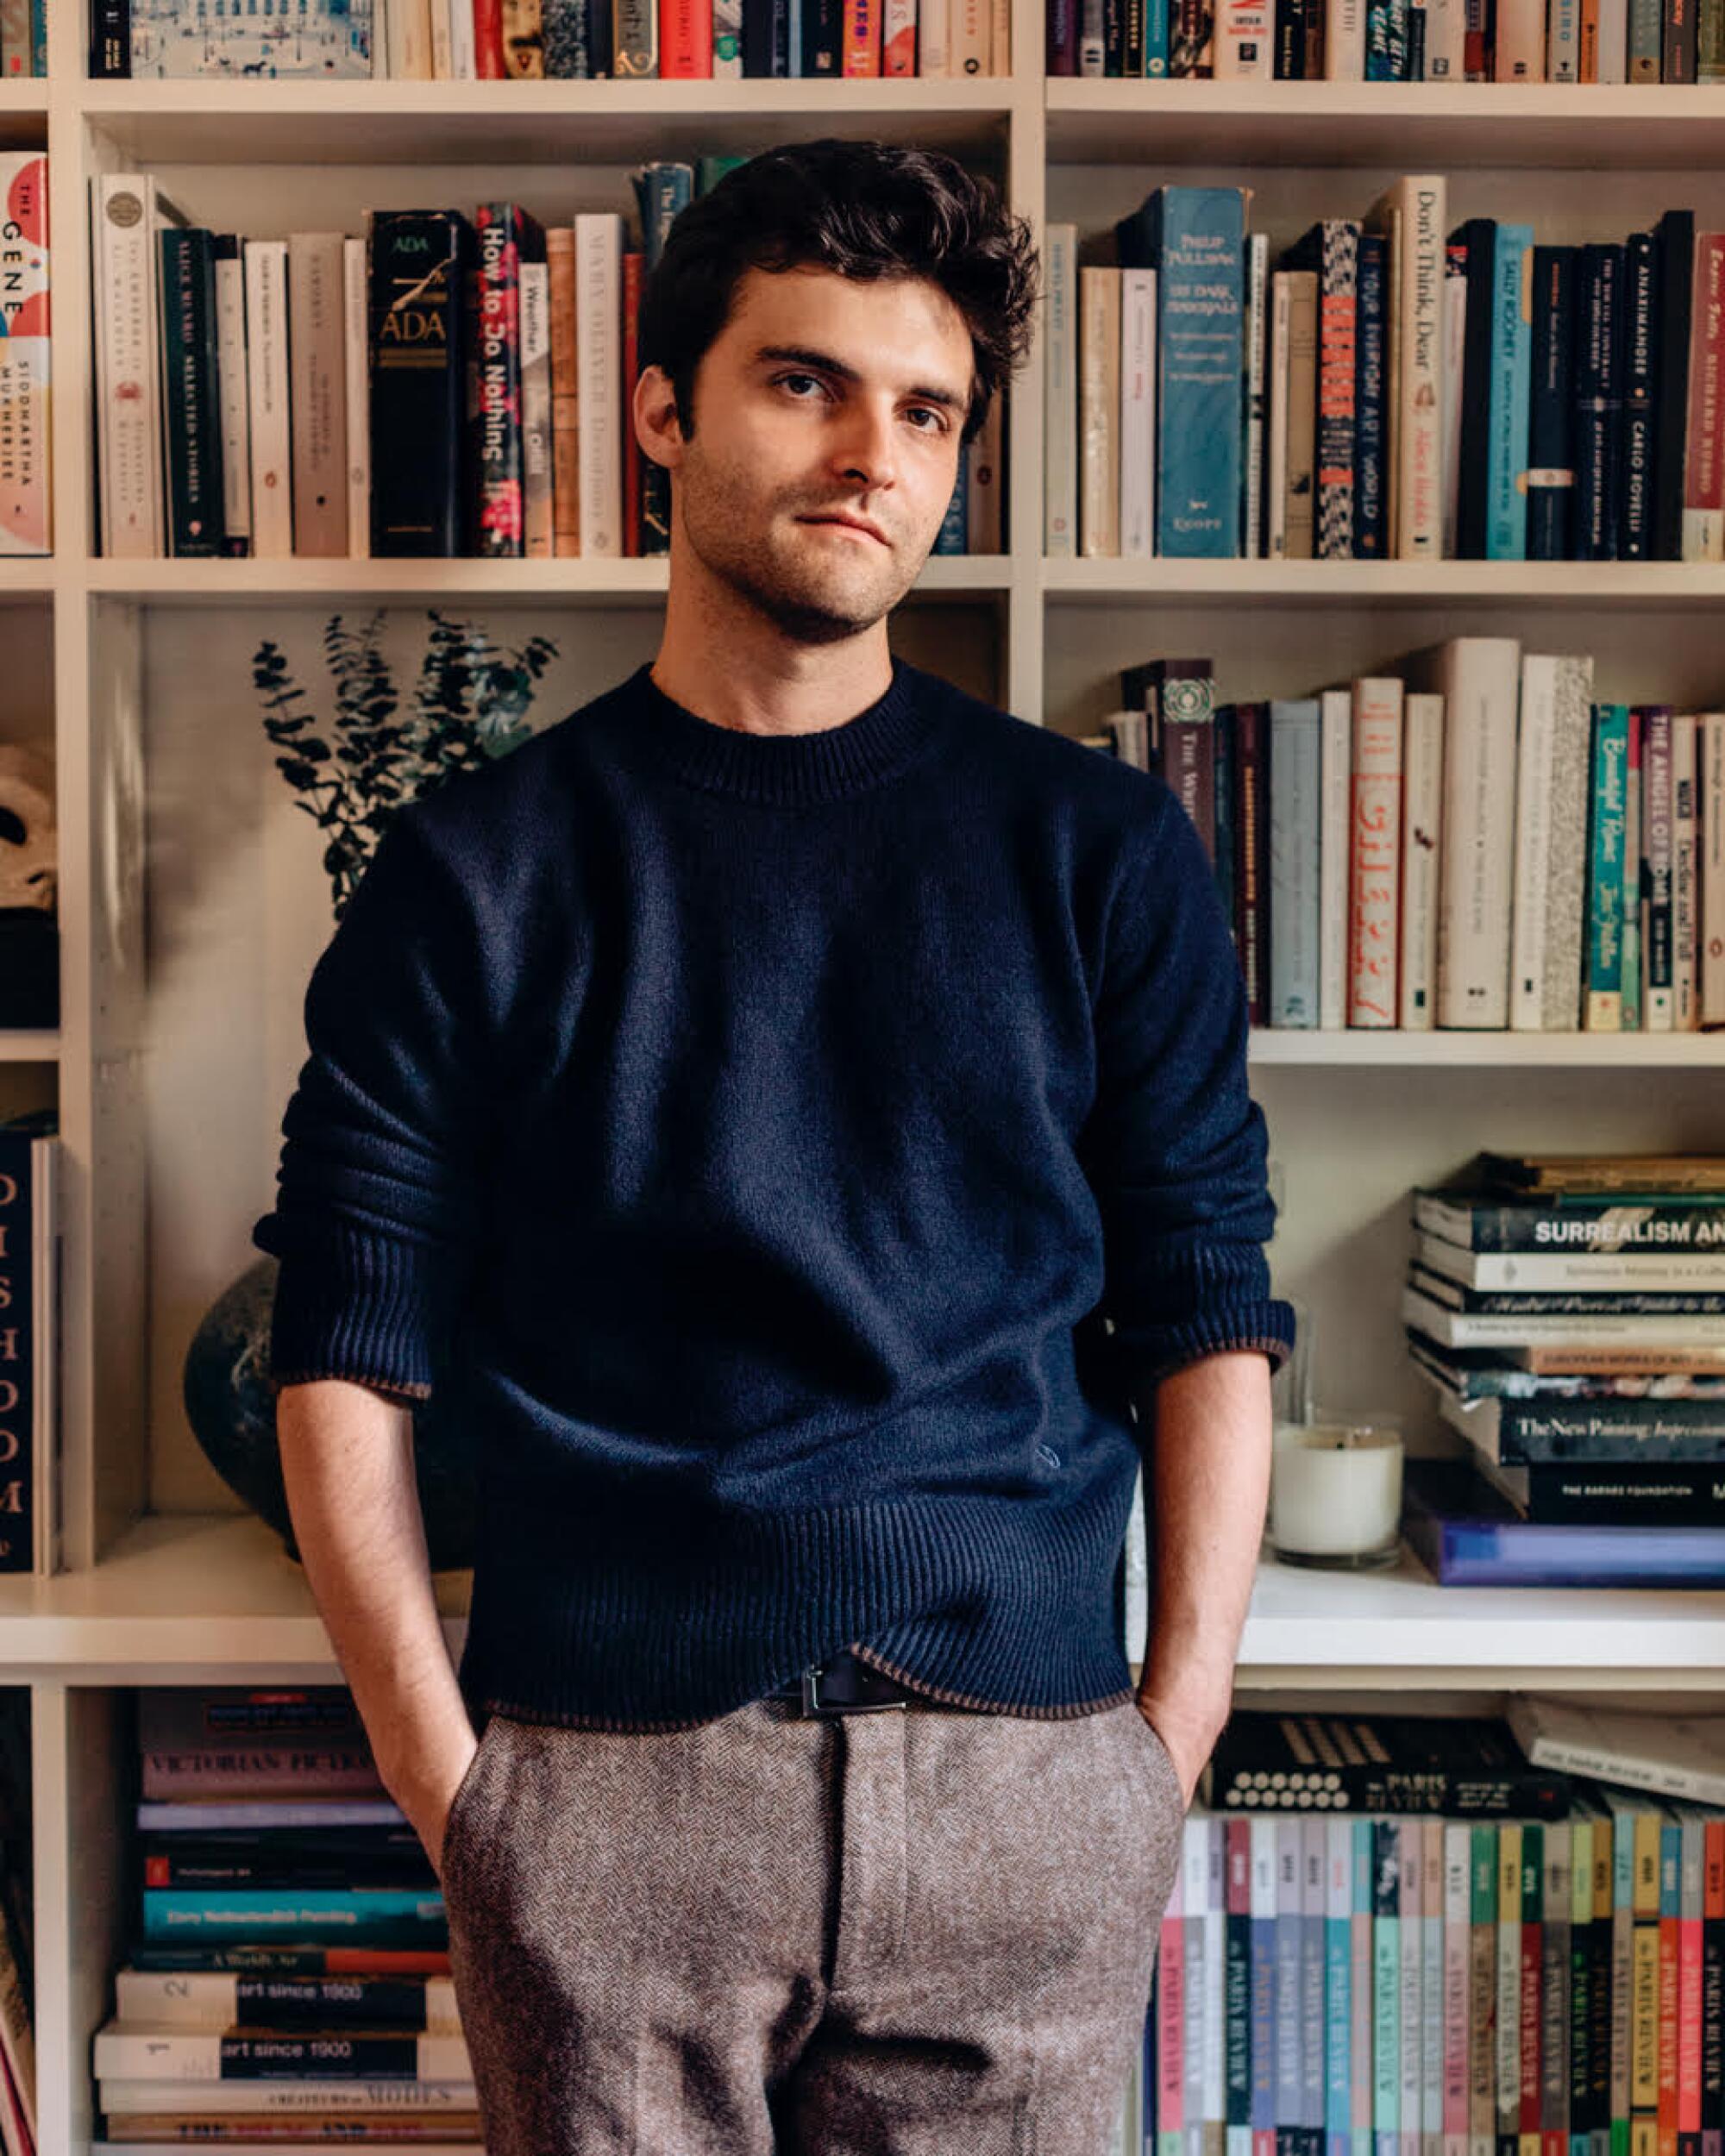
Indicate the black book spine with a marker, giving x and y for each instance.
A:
(823, 31)
(1677, 41)
(1131, 45)
(110, 40)
(1371, 502)
(1479, 237)
(757, 39)
(191, 420)
(1550, 476)
(600, 41)
(1598, 414)
(1640, 362)
(1604, 1494)
(1224, 725)
(17, 1480)
(1674, 250)
(1290, 40)
(1113, 39)
(1713, 1992)
(420, 297)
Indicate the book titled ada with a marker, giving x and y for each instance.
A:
(29, 1337)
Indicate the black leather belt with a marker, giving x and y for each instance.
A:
(843, 1684)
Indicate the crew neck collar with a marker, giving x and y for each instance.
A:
(788, 770)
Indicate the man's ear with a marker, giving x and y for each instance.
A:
(655, 410)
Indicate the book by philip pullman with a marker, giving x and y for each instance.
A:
(25, 521)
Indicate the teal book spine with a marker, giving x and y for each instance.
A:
(1512, 389)
(1156, 38)
(1605, 868)
(1386, 1984)
(1194, 238)
(379, 1916)
(1360, 1993)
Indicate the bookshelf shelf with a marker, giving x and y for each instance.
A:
(295, 581)
(25, 1044)
(526, 122)
(1363, 584)
(1406, 126)
(1360, 1047)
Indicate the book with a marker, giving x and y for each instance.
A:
(1467, 1534)
(1672, 1755)
(1457, 1766)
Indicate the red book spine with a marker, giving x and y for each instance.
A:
(685, 40)
(861, 42)
(631, 447)
(488, 39)
(1670, 1960)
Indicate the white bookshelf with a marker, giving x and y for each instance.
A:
(181, 984)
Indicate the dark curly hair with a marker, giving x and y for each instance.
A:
(865, 208)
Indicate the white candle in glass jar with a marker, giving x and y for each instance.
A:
(1335, 1488)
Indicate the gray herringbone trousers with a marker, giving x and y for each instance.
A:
(925, 1932)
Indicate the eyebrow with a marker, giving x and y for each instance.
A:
(807, 355)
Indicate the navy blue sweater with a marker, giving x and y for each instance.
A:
(802, 1152)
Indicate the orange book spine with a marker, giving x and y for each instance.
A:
(565, 395)
(861, 37)
(631, 447)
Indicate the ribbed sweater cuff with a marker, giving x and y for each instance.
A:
(357, 1305)
(1203, 1299)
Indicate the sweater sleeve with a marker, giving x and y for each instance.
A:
(375, 1206)
(1175, 1146)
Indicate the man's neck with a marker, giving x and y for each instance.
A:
(753, 678)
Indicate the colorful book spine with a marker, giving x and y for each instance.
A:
(1506, 484)
(1605, 869)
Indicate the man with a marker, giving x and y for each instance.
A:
(804, 1111)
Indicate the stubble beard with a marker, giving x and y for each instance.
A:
(792, 595)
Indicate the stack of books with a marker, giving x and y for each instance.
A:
(1472, 841)
(1392, 41)
(292, 1966)
(1566, 1312)
(440, 386)
(1389, 389)
(1406, 1951)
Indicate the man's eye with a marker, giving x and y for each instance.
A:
(784, 379)
(938, 417)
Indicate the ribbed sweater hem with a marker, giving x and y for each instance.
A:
(999, 1602)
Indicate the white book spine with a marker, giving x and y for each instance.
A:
(1244, 41)
(1613, 41)
(727, 41)
(230, 377)
(130, 362)
(934, 39)
(1335, 841)
(1456, 1967)
(1685, 862)
(968, 26)
(266, 362)
(983, 470)
(1215, 2111)
(1479, 677)
(443, 38)
(356, 342)
(1375, 849)
(1536, 746)
(1257, 304)
(317, 393)
(1060, 397)
(598, 282)
(1563, 42)
(1099, 395)
(1445, 40)
(1565, 896)
(1703, 524)
(273, 2098)
(1518, 47)
(1092, 49)
(1421, 299)
(1138, 412)
(536, 408)
(1422, 715)
(1281, 337)
(464, 66)
(1345, 41)
(1194, 1892)
(1000, 37)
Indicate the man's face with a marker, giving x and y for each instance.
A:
(825, 398)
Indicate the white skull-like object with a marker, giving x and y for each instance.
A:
(28, 875)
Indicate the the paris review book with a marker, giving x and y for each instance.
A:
(25, 524)
(29, 1343)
